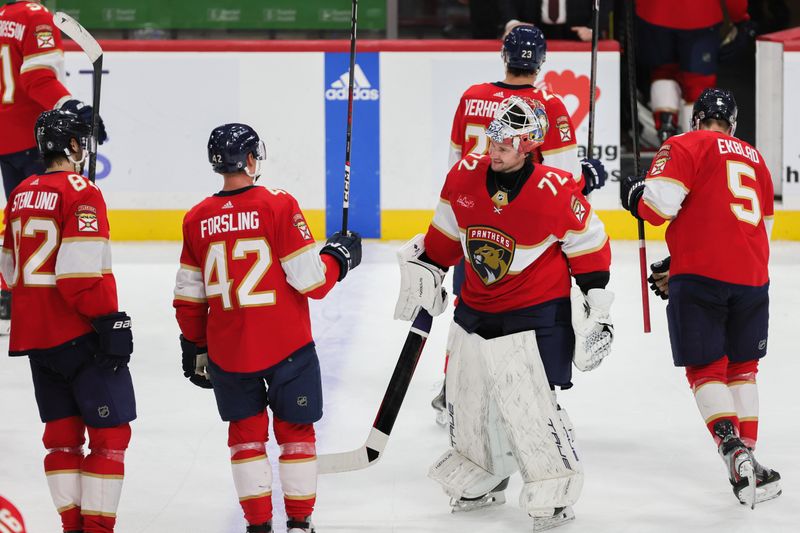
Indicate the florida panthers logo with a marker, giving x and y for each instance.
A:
(490, 253)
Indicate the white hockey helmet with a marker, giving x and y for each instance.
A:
(520, 122)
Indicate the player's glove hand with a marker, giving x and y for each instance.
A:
(594, 175)
(736, 41)
(346, 249)
(195, 363)
(115, 339)
(421, 283)
(594, 331)
(659, 278)
(84, 112)
(631, 189)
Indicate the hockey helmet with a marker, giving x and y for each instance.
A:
(524, 48)
(520, 122)
(715, 103)
(229, 146)
(56, 128)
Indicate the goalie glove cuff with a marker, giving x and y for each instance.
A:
(594, 331)
(421, 283)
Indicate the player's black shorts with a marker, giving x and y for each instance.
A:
(694, 51)
(70, 383)
(709, 318)
(293, 389)
(552, 322)
(459, 276)
(18, 166)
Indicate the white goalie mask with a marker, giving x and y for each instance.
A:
(519, 122)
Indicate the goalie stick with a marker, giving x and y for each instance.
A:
(371, 451)
(92, 49)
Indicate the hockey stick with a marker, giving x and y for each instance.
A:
(90, 46)
(371, 451)
(593, 76)
(637, 164)
(346, 198)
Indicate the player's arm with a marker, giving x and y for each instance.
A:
(457, 135)
(83, 271)
(7, 261)
(190, 300)
(658, 196)
(560, 147)
(42, 72)
(309, 272)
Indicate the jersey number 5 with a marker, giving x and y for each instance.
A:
(736, 171)
(218, 283)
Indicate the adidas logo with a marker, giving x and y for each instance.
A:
(228, 205)
(35, 182)
(499, 95)
(362, 88)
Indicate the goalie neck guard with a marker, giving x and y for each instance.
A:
(520, 122)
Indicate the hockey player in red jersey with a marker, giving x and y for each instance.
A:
(525, 230)
(524, 52)
(10, 518)
(717, 277)
(57, 259)
(31, 81)
(248, 267)
(682, 52)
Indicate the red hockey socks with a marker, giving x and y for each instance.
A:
(298, 467)
(743, 388)
(714, 399)
(64, 440)
(102, 473)
(252, 473)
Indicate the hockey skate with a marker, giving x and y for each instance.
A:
(561, 515)
(740, 462)
(300, 526)
(439, 404)
(668, 126)
(266, 527)
(496, 496)
(768, 484)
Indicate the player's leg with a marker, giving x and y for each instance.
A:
(748, 328)
(63, 439)
(661, 57)
(698, 51)
(474, 470)
(295, 397)
(242, 401)
(107, 403)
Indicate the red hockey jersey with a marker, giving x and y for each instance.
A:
(476, 111)
(718, 193)
(689, 14)
(57, 260)
(31, 72)
(520, 254)
(248, 266)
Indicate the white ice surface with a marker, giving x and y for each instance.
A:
(650, 464)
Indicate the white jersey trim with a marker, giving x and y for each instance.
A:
(7, 267)
(53, 60)
(565, 159)
(444, 219)
(305, 270)
(83, 258)
(592, 238)
(664, 196)
(189, 285)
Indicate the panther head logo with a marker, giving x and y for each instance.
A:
(490, 253)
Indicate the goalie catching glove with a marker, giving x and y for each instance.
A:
(594, 331)
(421, 283)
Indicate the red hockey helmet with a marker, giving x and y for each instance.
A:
(520, 122)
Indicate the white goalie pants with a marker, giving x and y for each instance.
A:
(503, 419)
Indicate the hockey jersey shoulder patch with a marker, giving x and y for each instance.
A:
(86, 216)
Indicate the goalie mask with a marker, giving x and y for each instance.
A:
(519, 122)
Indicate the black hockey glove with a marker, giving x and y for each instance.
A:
(659, 278)
(594, 174)
(195, 363)
(346, 249)
(84, 112)
(631, 189)
(115, 339)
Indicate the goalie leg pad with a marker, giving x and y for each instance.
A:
(546, 456)
(460, 477)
